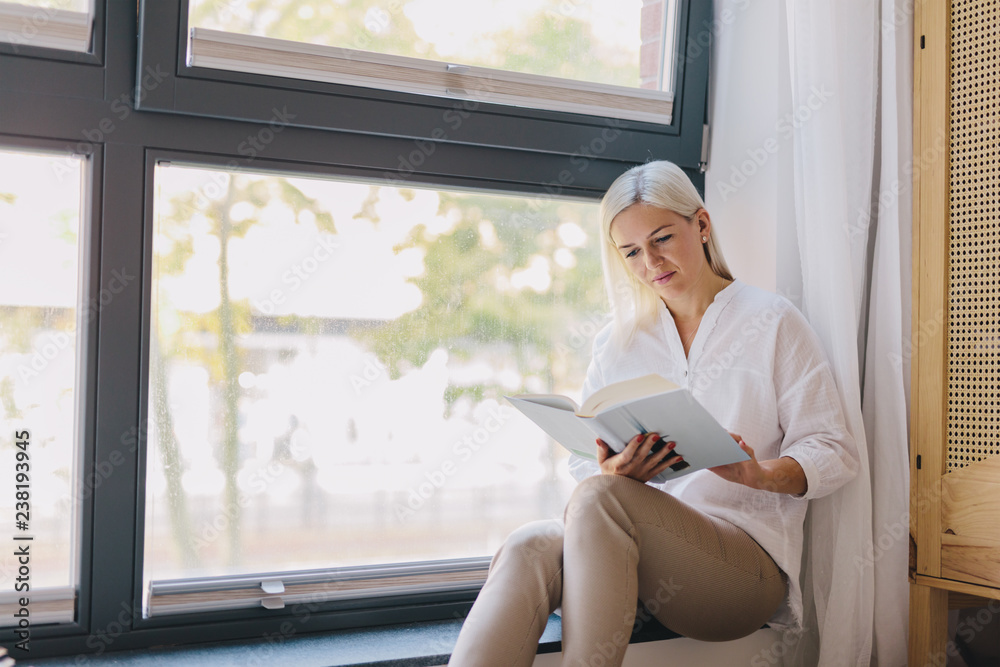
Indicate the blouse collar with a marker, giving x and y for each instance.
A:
(708, 321)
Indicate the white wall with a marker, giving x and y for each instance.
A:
(750, 153)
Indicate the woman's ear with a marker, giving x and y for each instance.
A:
(704, 221)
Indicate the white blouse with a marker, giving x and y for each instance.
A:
(759, 369)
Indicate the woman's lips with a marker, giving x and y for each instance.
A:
(663, 278)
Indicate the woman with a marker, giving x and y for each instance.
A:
(715, 554)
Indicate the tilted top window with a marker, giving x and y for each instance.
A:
(610, 58)
(52, 24)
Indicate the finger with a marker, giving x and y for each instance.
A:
(663, 457)
(665, 464)
(632, 447)
(664, 452)
(648, 442)
(603, 451)
(736, 437)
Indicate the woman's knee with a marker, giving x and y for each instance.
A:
(537, 541)
(596, 492)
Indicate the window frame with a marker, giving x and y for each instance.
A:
(86, 398)
(57, 101)
(290, 168)
(95, 56)
(250, 97)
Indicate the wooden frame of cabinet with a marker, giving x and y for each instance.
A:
(955, 549)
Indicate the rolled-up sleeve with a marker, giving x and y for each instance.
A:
(810, 410)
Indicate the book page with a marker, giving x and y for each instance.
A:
(625, 391)
(561, 424)
(549, 400)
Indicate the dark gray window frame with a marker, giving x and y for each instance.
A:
(217, 93)
(88, 104)
(90, 288)
(95, 57)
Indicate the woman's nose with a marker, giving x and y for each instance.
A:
(653, 259)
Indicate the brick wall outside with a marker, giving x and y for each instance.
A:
(651, 27)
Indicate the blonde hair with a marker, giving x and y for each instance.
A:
(634, 305)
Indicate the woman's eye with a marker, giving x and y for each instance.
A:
(663, 239)
(631, 253)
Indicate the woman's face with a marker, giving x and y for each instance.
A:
(663, 249)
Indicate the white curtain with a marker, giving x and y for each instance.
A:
(849, 184)
(887, 362)
(832, 194)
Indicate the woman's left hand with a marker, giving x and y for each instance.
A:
(783, 475)
(748, 473)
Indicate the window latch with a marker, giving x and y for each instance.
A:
(272, 586)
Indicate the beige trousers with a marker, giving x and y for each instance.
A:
(620, 542)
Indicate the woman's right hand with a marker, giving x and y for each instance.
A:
(637, 460)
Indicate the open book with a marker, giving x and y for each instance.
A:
(620, 411)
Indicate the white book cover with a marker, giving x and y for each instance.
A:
(620, 415)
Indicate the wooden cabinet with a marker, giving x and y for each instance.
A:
(955, 408)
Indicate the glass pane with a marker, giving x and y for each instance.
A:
(328, 365)
(51, 24)
(69, 5)
(619, 42)
(40, 228)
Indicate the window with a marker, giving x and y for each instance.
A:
(235, 59)
(603, 57)
(40, 209)
(237, 272)
(54, 24)
(328, 364)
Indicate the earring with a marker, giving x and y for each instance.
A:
(703, 239)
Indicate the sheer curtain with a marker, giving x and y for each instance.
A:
(887, 362)
(836, 81)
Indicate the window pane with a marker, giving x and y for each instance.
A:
(618, 42)
(68, 5)
(328, 365)
(53, 24)
(40, 229)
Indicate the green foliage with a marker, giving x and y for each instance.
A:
(562, 46)
(229, 321)
(20, 323)
(176, 240)
(553, 42)
(468, 310)
(469, 305)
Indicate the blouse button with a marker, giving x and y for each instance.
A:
(685, 373)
